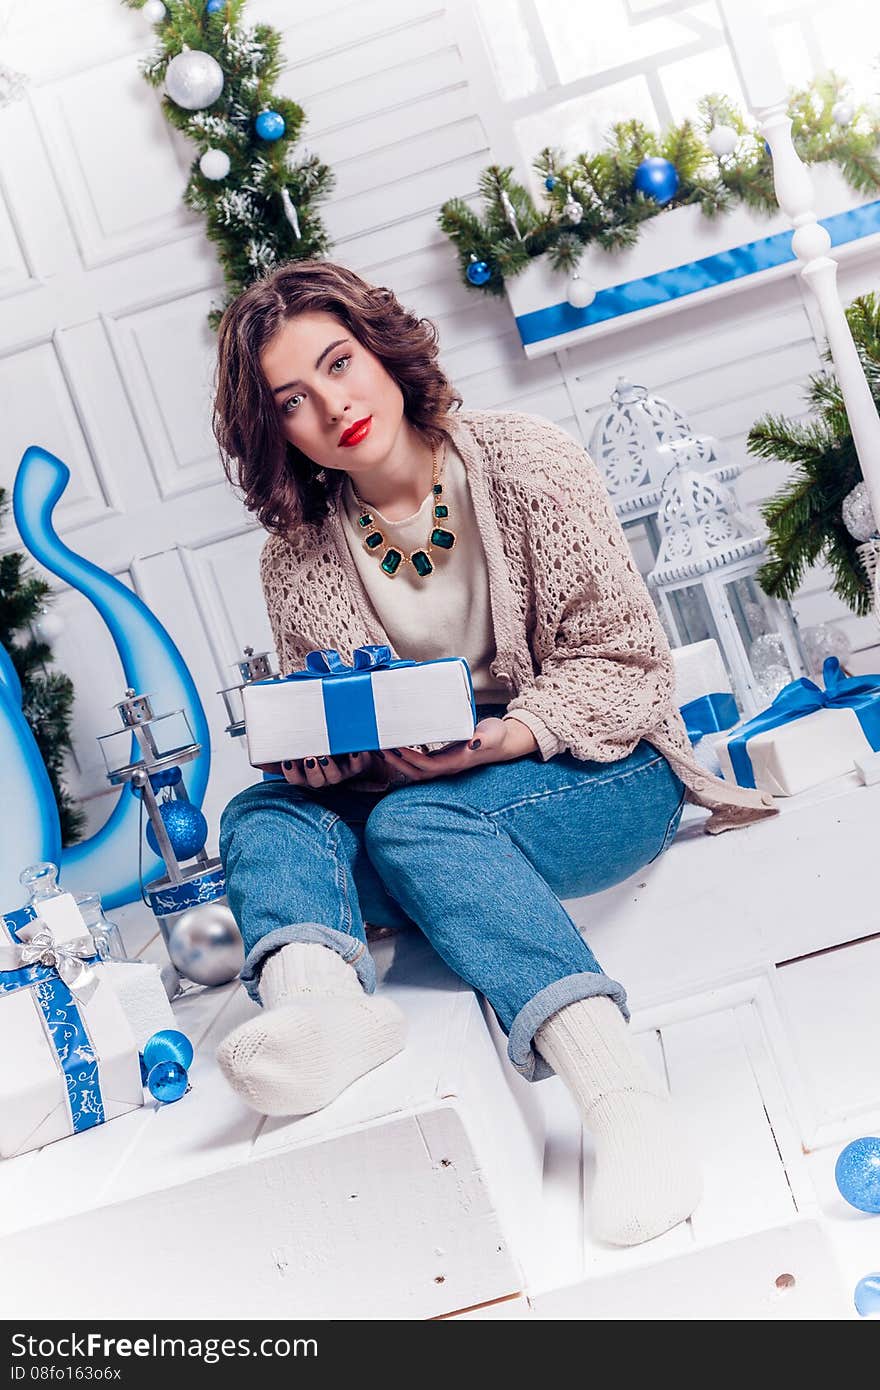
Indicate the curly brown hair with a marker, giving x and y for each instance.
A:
(281, 485)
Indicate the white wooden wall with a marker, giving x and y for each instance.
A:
(106, 359)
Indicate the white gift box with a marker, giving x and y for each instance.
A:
(138, 987)
(802, 753)
(390, 706)
(699, 670)
(66, 1062)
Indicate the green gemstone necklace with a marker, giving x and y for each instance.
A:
(441, 538)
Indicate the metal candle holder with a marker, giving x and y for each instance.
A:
(253, 666)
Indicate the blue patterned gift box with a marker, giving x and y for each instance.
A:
(350, 713)
(68, 1060)
(831, 746)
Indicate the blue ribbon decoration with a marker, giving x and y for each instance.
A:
(679, 281)
(709, 714)
(802, 697)
(79, 1065)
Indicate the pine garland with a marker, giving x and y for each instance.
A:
(804, 520)
(263, 212)
(613, 210)
(47, 696)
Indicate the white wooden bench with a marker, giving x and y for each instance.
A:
(444, 1182)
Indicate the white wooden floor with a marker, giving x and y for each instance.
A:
(442, 1184)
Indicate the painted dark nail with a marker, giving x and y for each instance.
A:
(396, 751)
(310, 762)
(380, 754)
(287, 765)
(323, 761)
(476, 743)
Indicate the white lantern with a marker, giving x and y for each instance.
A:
(704, 579)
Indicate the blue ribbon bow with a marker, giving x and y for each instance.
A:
(348, 698)
(801, 697)
(79, 1065)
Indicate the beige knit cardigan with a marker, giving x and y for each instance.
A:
(579, 643)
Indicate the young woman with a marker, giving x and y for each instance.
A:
(396, 518)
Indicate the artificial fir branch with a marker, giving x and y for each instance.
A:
(804, 520)
(613, 211)
(46, 696)
(244, 212)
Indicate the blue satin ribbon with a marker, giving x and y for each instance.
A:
(79, 1065)
(709, 714)
(348, 702)
(690, 278)
(802, 697)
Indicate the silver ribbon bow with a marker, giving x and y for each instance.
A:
(68, 958)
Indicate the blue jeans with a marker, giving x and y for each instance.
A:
(477, 861)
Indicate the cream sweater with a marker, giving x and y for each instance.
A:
(448, 613)
(579, 646)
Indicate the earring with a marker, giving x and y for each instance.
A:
(320, 476)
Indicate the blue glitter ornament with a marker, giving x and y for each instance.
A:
(867, 1295)
(214, 5)
(478, 272)
(168, 1045)
(270, 125)
(167, 1082)
(186, 826)
(657, 178)
(857, 1174)
(550, 183)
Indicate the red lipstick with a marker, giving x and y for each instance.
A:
(355, 433)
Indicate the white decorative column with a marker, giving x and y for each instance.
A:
(761, 77)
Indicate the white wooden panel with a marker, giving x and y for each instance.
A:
(167, 355)
(370, 58)
(395, 128)
(446, 143)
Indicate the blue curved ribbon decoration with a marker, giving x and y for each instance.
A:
(107, 861)
(29, 824)
(802, 697)
(709, 714)
(681, 280)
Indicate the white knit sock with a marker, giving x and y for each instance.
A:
(647, 1179)
(318, 1032)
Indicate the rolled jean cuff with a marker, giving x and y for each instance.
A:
(350, 948)
(544, 1005)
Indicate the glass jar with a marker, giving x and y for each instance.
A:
(106, 934)
(41, 881)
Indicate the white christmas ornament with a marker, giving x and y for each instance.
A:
(49, 627)
(580, 292)
(842, 112)
(193, 79)
(214, 164)
(858, 515)
(154, 11)
(723, 139)
(573, 211)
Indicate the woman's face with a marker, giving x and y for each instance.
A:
(323, 382)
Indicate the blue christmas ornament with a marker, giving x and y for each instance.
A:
(478, 272)
(168, 1045)
(167, 1082)
(657, 178)
(144, 1069)
(857, 1174)
(550, 183)
(214, 5)
(165, 777)
(270, 125)
(186, 826)
(867, 1295)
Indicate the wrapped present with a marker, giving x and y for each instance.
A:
(68, 1060)
(807, 736)
(331, 708)
(703, 691)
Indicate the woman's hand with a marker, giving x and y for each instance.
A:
(498, 741)
(326, 771)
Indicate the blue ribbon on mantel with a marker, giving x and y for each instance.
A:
(682, 280)
(802, 697)
(76, 1056)
(709, 714)
(348, 697)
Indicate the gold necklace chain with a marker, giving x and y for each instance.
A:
(440, 538)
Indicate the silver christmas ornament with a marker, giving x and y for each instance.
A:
(842, 112)
(573, 210)
(857, 513)
(580, 293)
(205, 944)
(769, 664)
(823, 640)
(49, 627)
(214, 164)
(154, 11)
(722, 140)
(290, 212)
(193, 79)
(510, 212)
